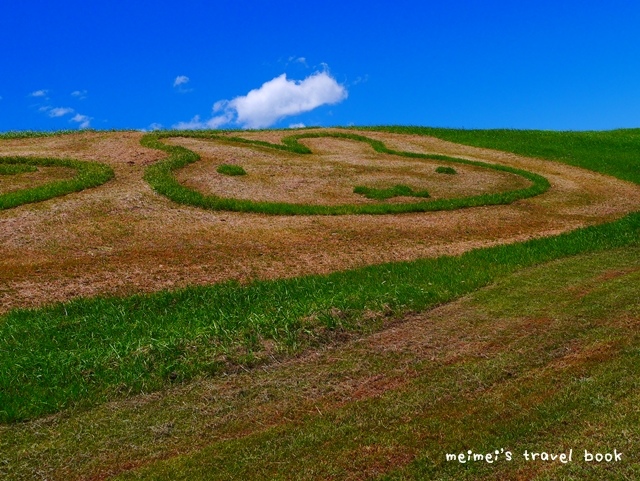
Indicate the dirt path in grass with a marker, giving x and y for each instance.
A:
(122, 237)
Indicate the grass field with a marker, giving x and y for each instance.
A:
(374, 372)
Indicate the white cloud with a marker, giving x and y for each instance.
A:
(155, 126)
(180, 80)
(301, 60)
(274, 100)
(197, 124)
(39, 93)
(83, 120)
(296, 126)
(59, 111)
(361, 79)
(79, 94)
(279, 98)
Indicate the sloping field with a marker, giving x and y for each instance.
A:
(510, 325)
(123, 237)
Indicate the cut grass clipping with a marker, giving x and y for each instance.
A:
(89, 174)
(160, 177)
(446, 170)
(384, 194)
(230, 169)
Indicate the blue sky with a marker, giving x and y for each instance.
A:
(570, 65)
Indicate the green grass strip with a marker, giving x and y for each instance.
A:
(88, 351)
(88, 174)
(13, 169)
(32, 134)
(384, 194)
(160, 177)
(613, 152)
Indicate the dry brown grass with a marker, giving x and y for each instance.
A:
(44, 175)
(328, 176)
(122, 237)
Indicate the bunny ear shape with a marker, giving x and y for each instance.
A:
(87, 175)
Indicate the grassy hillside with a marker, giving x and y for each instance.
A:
(546, 358)
(613, 152)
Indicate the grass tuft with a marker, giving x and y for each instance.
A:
(230, 169)
(446, 170)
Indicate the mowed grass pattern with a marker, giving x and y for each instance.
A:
(548, 359)
(88, 175)
(87, 351)
(613, 152)
(561, 372)
(160, 177)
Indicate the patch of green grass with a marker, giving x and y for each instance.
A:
(160, 177)
(446, 170)
(384, 194)
(88, 174)
(613, 152)
(230, 169)
(32, 134)
(12, 169)
(563, 375)
(569, 380)
(546, 358)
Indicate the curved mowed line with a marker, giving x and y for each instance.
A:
(88, 174)
(160, 177)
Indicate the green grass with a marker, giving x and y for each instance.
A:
(545, 370)
(388, 193)
(87, 351)
(571, 381)
(546, 358)
(12, 169)
(613, 152)
(33, 134)
(88, 174)
(230, 169)
(446, 170)
(77, 353)
(160, 177)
